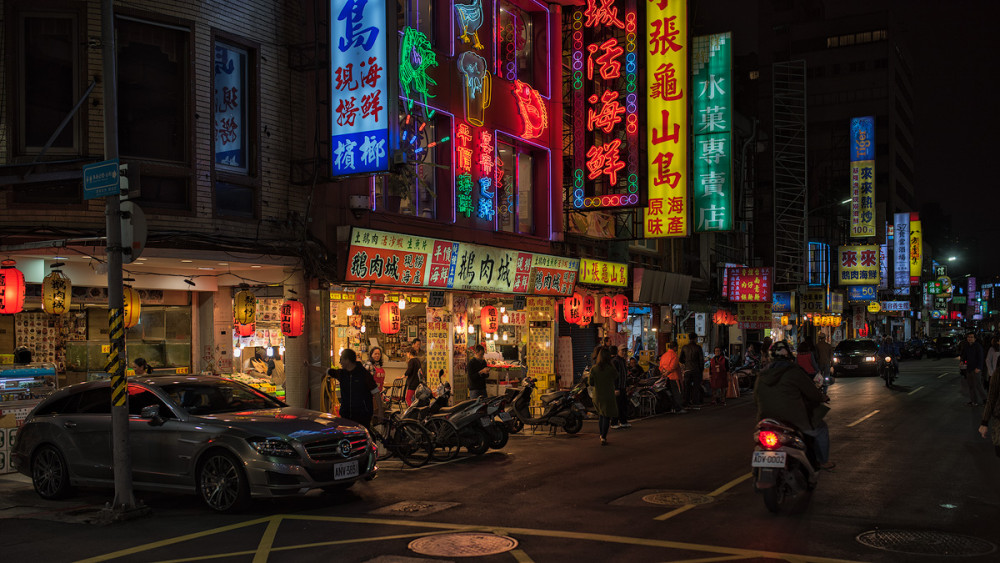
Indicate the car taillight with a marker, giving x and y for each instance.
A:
(769, 440)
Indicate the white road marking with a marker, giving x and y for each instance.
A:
(915, 390)
(942, 375)
(863, 418)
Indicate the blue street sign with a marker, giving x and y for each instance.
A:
(101, 179)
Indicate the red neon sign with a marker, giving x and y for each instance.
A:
(532, 109)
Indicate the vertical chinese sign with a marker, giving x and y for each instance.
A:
(475, 144)
(859, 265)
(359, 88)
(750, 285)
(605, 105)
(901, 251)
(916, 249)
(230, 107)
(666, 119)
(711, 74)
(862, 177)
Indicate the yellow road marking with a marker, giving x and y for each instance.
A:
(915, 390)
(266, 541)
(712, 559)
(521, 557)
(441, 527)
(863, 418)
(714, 493)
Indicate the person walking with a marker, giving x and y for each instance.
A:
(360, 395)
(824, 357)
(621, 387)
(602, 383)
(670, 368)
(478, 371)
(693, 361)
(718, 375)
(975, 361)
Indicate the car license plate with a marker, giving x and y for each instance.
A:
(762, 458)
(849, 366)
(345, 470)
(504, 416)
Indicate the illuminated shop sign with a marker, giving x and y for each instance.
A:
(666, 119)
(863, 177)
(859, 265)
(754, 315)
(400, 260)
(360, 104)
(862, 293)
(750, 284)
(532, 108)
(901, 251)
(916, 249)
(781, 302)
(712, 127)
(605, 104)
(603, 273)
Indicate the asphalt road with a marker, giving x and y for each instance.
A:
(909, 460)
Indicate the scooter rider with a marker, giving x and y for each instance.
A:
(887, 348)
(785, 392)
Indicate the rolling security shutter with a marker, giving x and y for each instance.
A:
(584, 341)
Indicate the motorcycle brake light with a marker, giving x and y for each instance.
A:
(769, 439)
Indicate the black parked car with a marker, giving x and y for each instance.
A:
(947, 345)
(855, 357)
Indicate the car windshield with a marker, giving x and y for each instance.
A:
(218, 397)
(857, 346)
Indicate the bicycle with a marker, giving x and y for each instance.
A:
(408, 440)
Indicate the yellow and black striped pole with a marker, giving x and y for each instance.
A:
(116, 359)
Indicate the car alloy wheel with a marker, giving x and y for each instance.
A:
(50, 474)
(222, 483)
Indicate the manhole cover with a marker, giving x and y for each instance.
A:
(926, 543)
(677, 498)
(463, 544)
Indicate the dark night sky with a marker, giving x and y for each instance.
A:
(952, 48)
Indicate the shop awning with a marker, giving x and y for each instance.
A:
(660, 288)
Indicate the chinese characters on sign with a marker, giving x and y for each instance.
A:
(862, 177)
(901, 251)
(754, 315)
(603, 273)
(859, 265)
(711, 114)
(666, 117)
(750, 285)
(862, 293)
(359, 126)
(916, 249)
(604, 62)
(230, 114)
(411, 261)
(463, 165)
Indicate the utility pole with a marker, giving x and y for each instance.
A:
(124, 501)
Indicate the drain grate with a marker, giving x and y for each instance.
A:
(414, 508)
(463, 544)
(677, 498)
(915, 542)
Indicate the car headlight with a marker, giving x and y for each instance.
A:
(273, 447)
(836, 360)
(869, 358)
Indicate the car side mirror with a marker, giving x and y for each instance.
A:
(152, 412)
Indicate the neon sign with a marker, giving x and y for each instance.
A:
(863, 177)
(470, 19)
(532, 109)
(463, 164)
(605, 105)
(415, 57)
(713, 138)
(487, 161)
(476, 85)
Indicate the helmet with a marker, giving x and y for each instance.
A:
(781, 350)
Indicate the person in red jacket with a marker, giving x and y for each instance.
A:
(718, 374)
(670, 368)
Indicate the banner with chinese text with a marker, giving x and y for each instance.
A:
(863, 177)
(901, 251)
(711, 70)
(603, 273)
(666, 119)
(916, 249)
(750, 284)
(859, 265)
(754, 315)
(359, 87)
(410, 261)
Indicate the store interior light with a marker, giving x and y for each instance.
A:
(472, 329)
(350, 311)
(237, 352)
(368, 300)
(402, 302)
(505, 337)
(503, 309)
(281, 350)
(496, 337)
(364, 328)
(505, 319)
(270, 352)
(654, 329)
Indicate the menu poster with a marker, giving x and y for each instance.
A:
(541, 351)
(754, 315)
(459, 373)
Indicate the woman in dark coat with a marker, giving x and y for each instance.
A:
(602, 379)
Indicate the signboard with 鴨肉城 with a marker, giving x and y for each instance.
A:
(402, 260)
(360, 103)
(859, 265)
(750, 285)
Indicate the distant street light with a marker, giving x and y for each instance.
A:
(848, 200)
(952, 258)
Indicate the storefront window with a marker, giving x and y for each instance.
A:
(515, 189)
(523, 43)
(48, 85)
(412, 189)
(422, 16)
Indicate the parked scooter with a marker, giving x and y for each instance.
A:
(469, 420)
(496, 421)
(784, 466)
(562, 410)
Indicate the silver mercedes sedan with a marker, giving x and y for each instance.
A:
(208, 435)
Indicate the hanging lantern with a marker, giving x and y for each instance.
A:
(585, 321)
(573, 308)
(56, 293)
(245, 307)
(607, 306)
(293, 318)
(11, 288)
(589, 306)
(489, 319)
(244, 331)
(620, 309)
(133, 307)
(389, 319)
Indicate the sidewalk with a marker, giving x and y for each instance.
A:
(19, 500)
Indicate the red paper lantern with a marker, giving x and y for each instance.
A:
(585, 320)
(11, 288)
(589, 306)
(620, 313)
(489, 319)
(389, 319)
(293, 318)
(607, 306)
(573, 308)
(244, 331)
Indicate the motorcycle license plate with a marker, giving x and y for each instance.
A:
(768, 459)
(345, 470)
(485, 421)
(504, 416)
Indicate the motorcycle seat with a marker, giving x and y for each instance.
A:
(778, 425)
(549, 397)
(460, 406)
